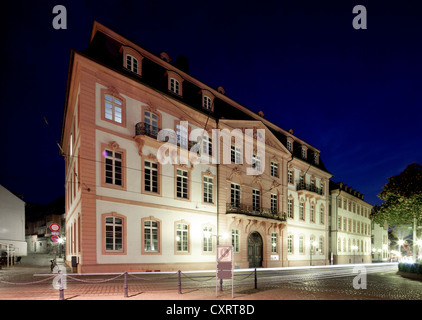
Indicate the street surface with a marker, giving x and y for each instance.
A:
(325, 283)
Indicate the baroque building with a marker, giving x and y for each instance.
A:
(161, 168)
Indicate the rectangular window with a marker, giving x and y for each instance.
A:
(113, 163)
(290, 243)
(321, 215)
(235, 240)
(207, 146)
(151, 123)
(312, 213)
(273, 242)
(235, 195)
(321, 245)
(290, 208)
(208, 189)
(303, 153)
(301, 211)
(290, 176)
(274, 203)
(182, 237)
(256, 200)
(151, 236)
(182, 184)
(112, 108)
(301, 245)
(113, 234)
(182, 135)
(207, 239)
(274, 169)
(235, 155)
(289, 145)
(150, 176)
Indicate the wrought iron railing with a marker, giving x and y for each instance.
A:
(252, 211)
(142, 128)
(309, 187)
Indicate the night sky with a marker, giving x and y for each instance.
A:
(353, 94)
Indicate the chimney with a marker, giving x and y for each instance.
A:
(261, 113)
(182, 63)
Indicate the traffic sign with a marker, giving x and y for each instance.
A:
(54, 238)
(54, 227)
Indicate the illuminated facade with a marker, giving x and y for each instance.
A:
(350, 225)
(131, 207)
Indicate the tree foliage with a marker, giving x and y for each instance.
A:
(402, 196)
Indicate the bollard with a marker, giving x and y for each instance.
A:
(256, 280)
(61, 290)
(125, 286)
(221, 284)
(180, 282)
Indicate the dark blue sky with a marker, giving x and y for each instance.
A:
(353, 94)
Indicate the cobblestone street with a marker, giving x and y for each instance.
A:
(383, 283)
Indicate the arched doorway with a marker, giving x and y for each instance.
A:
(255, 250)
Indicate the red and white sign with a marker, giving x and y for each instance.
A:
(54, 227)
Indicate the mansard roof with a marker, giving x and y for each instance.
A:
(106, 48)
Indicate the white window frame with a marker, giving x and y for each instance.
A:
(131, 63)
(208, 189)
(113, 108)
(174, 86)
(151, 239)
(114, 225)
(182, 177)
(274, 169)
(182, 237)
(114, 166)
(236, 240)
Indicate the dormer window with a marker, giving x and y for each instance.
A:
(207, 100)
(289, 145)
(132, 60)
(206, 103)
(174, 86)
(316, 158)
(131, 63)
(304, 152)
(175, 83)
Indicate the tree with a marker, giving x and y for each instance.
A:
(402, 196)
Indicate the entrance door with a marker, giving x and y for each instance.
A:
(255, 250)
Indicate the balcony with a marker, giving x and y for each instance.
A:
(250, 211)
(145, 129)
(309, 187)
(142, 128)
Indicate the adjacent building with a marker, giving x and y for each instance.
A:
(350, 225)
(12, 224)
(380, 244)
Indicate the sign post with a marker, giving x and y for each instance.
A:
(224, 265)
